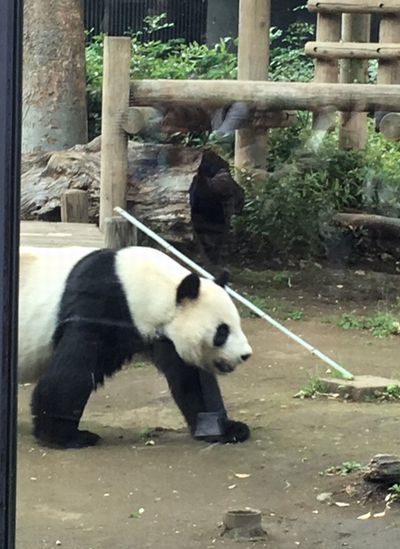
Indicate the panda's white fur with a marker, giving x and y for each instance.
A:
(42, 276)
(150, 280)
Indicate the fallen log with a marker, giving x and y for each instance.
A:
(159, 179)
(381, 226)
(165, 182)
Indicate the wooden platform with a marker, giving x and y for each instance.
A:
(40, 233)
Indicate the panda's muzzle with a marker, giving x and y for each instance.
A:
(223, 367)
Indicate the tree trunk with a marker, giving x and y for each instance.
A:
(54, 94)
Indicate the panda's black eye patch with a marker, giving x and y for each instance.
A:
(221, 335)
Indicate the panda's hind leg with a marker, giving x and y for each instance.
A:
(59, 398)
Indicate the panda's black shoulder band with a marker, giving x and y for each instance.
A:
(96, 321)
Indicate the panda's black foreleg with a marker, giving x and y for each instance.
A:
(63, 390)
(198, 396)
(233, 431)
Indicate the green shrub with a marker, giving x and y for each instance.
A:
(290, 212)
(379, 324)
(288, 60)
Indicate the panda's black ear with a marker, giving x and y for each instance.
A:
(222, 278)
(189, 288)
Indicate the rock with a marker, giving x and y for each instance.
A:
(359, 388)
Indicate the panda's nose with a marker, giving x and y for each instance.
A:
(245, 357)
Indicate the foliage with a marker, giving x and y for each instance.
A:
(289, 213)
(256, 300)
(282, 278)
(395, 492)
(380, 186)
(392, 392)
(296, 315)
(288, 60)
(94, 76)
(346, 468)
(380, 324)
(314, 388)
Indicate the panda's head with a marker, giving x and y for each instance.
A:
(206, 328)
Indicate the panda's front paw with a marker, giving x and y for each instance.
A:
(235, 431)
(83, 439)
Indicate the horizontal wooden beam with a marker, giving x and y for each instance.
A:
(354, 6)
(352, 50)
(274, 96)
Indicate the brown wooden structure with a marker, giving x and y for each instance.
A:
(343, 34)
(129, 106)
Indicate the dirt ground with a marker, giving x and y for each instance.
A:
(125, 494)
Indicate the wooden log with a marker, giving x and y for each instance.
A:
(119, 233)
(326, 70)
(381, 226)
(389, 126)
(389, 32)
(352, 50)
(353, 131)
(114, 156)
(354, 6)
(253, 59)
(141, 119)
(274, 96)
(75, 206)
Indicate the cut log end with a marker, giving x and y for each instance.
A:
(390, 126)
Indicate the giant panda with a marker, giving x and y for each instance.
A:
(84, 312)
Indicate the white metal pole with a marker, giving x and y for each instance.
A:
(345, 373)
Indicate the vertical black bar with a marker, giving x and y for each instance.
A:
(10, 146)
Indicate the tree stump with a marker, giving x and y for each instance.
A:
(75, 206)
(384, 469)
(119, 233)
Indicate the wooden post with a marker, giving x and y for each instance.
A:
(326, 70)
(75, 206)
(114, 152)
(253, 59)
(353, 133)
(119, 233)
(389, 31)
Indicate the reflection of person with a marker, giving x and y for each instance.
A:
(229, 118)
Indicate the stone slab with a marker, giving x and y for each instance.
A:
(360, 388)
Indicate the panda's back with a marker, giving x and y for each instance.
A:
(135, 285)
(43, 275)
